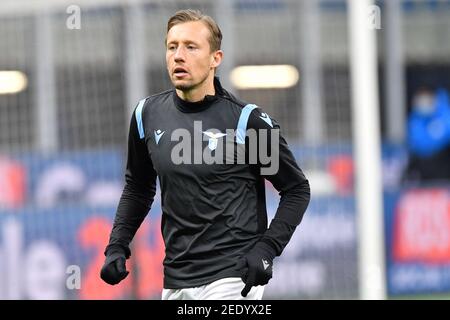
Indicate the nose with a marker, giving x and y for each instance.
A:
(179, 54)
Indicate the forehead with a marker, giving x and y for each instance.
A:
(195, 31)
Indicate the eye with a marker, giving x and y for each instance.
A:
(171, 47)
(191, 47)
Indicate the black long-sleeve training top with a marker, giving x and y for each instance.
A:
(213, 199)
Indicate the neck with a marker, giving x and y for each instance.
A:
(199, 92)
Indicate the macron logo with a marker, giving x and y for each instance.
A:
(265, 264)
(158, 135)
(266, 119)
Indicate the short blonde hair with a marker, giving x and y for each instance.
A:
(182, 16)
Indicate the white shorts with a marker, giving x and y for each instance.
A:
(222, 289)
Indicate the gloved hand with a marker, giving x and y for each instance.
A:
(256, 266)
(114, 269)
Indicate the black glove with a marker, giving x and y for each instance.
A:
(256, 266)
(114, 269)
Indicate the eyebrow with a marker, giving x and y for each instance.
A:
(185, 42)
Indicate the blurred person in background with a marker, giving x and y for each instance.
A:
(429, 137)
(214, 219)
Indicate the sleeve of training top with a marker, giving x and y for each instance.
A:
(288, 179)
(138, 193)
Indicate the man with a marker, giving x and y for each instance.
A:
(429, 137)
(214, 220)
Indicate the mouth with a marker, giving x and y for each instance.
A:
(180, 72)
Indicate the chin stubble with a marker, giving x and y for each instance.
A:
(189, 87)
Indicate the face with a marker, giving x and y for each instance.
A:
(424, 103)
(189, 59)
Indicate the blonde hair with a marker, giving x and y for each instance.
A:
(182, 16)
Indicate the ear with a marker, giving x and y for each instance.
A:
(217, 58)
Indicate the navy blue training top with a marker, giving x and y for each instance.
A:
(212, 179)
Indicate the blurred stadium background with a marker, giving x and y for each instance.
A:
(71, 73)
